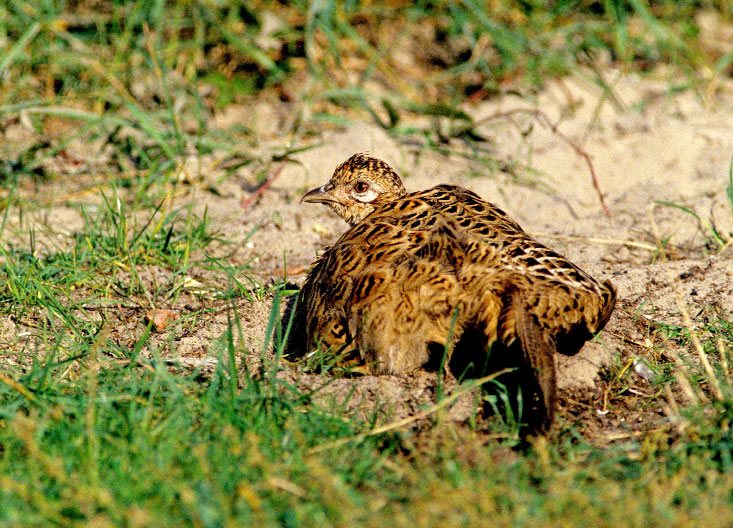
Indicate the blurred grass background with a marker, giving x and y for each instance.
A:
(164, 68)
(92, 434)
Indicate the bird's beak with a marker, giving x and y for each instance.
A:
(320, 194)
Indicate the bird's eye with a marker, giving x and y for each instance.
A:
(361, 187)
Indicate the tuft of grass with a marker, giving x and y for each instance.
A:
(95, 439)
(112, 244)
(720, 240)
(717, 238)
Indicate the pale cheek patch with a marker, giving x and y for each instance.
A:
(366, 197)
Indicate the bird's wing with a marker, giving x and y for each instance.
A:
(356, 268)
(566, 301)
(392, 282)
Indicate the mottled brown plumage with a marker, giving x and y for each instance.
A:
(416, 268)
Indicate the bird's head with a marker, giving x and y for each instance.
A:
(358, 186)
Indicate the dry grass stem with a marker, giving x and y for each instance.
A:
(722, 350)
(10, 382)
(603, 241)
(415, 417)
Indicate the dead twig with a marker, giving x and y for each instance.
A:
(540, 116)
(262, 188)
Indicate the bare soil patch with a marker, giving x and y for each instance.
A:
(647, 147)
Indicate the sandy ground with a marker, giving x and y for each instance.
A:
(647, 147)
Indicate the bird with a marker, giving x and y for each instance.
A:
(442, 271)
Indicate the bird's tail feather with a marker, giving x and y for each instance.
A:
(539, 351)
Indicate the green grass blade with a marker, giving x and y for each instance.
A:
(18, 47)
(151, 129)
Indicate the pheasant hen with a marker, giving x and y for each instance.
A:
(444, 270)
